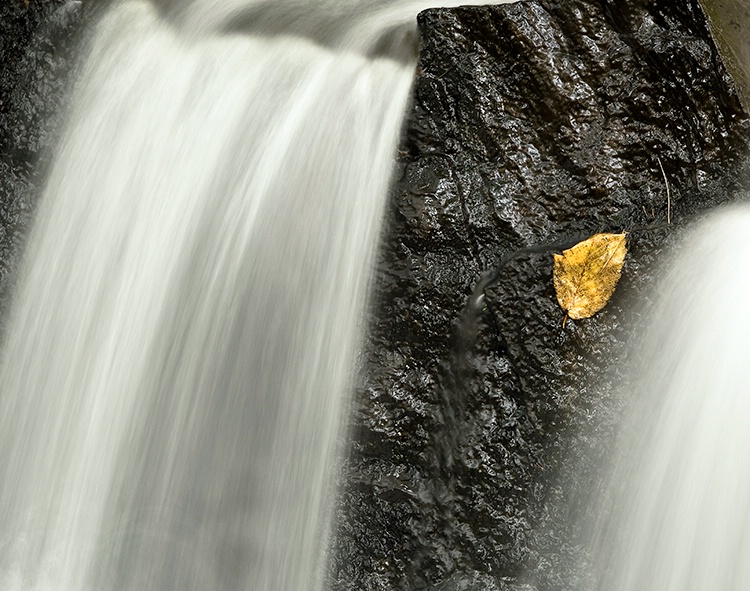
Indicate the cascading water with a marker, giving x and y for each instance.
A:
(184, 326)
(681, 518)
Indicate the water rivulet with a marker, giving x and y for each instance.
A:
(185, 322)
(680, 519)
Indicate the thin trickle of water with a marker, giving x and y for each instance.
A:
(681, 514)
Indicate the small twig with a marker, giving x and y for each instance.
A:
(669, 199)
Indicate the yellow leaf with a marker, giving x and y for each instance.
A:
(586, 275)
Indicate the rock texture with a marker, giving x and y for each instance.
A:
(477, 433)
(37, 41)
(729, 20)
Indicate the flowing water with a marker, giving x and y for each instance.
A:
(681, 518)
(186, 321)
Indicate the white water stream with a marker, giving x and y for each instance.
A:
(184, 328)
(681, 517)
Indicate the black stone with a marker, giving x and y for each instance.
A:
(38, 42)
(477, 433)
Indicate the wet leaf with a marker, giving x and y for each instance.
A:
(586, 275)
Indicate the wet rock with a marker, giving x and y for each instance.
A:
(729, 19)
(37, 43)
(477, 433)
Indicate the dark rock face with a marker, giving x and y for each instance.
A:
(37, 42)
(471, 465)
(729, 20)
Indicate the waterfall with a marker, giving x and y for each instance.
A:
(187, 316)
(680, 519)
